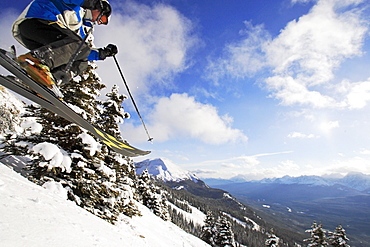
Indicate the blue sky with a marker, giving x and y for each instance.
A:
(242, 88)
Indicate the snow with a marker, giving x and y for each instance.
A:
(54, 156)
(8, 100)
(249, 222)
(165, 170)
(30, 125)
(10, 107)
(255, 227)
(92, 145)
(35, 216)
(196, 216)
(357, 181)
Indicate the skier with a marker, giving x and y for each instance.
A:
(54, 30)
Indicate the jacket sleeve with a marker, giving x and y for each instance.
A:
(94, 55)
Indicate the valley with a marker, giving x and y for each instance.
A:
(296, 206)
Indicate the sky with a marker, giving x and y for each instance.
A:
(241, 88)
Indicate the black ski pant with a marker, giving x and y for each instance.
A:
(53, 45)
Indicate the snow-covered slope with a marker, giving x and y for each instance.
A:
(165, 170)
(35, 216)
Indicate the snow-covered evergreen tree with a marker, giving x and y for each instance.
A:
(151, 196)
(338, 238)
(224, 234)
(209, 229)
(112, 113)
(272, 240)
(10, 110)
(318, 237)
(96, 178)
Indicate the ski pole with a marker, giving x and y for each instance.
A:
(132, 98)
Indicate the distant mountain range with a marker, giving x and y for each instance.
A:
(356, 181)
(291, 202)
(298, 201)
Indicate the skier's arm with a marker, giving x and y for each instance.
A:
(102, 53)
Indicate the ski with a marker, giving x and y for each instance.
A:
(47, 99)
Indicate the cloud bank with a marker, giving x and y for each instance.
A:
(303, 58)
(153, 41)
(180, 115)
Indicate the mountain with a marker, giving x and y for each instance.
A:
(175, 177)
(165, 170)
(356, 181)
(187, 193)
(32, 215)
(298, 201)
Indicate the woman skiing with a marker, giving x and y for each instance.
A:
(54, 30)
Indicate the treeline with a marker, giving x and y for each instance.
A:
(221, 206)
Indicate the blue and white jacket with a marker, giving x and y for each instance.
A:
(67, 13)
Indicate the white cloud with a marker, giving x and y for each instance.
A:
(364, 151)
(153, 41)
(254, 168)
(352, 164)
(359, 94)
(327, 126)
(301, 135)
(292, 91)
(181, 115)
(310, 49)
(304, 57)
(289, 166)
(247, 167)
(241, 59)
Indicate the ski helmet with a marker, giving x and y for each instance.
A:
(107, 9)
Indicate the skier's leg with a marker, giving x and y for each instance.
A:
(50, 43)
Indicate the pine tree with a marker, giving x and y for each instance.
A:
(318, 237)
(208, 229)
(112, 113)
(338, 238)
(272, 240)
(99, 180)
(224, 234)
(151, 196)
(9, 111)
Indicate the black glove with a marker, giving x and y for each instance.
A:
(108, 51)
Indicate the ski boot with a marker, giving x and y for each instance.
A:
(39, 72)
